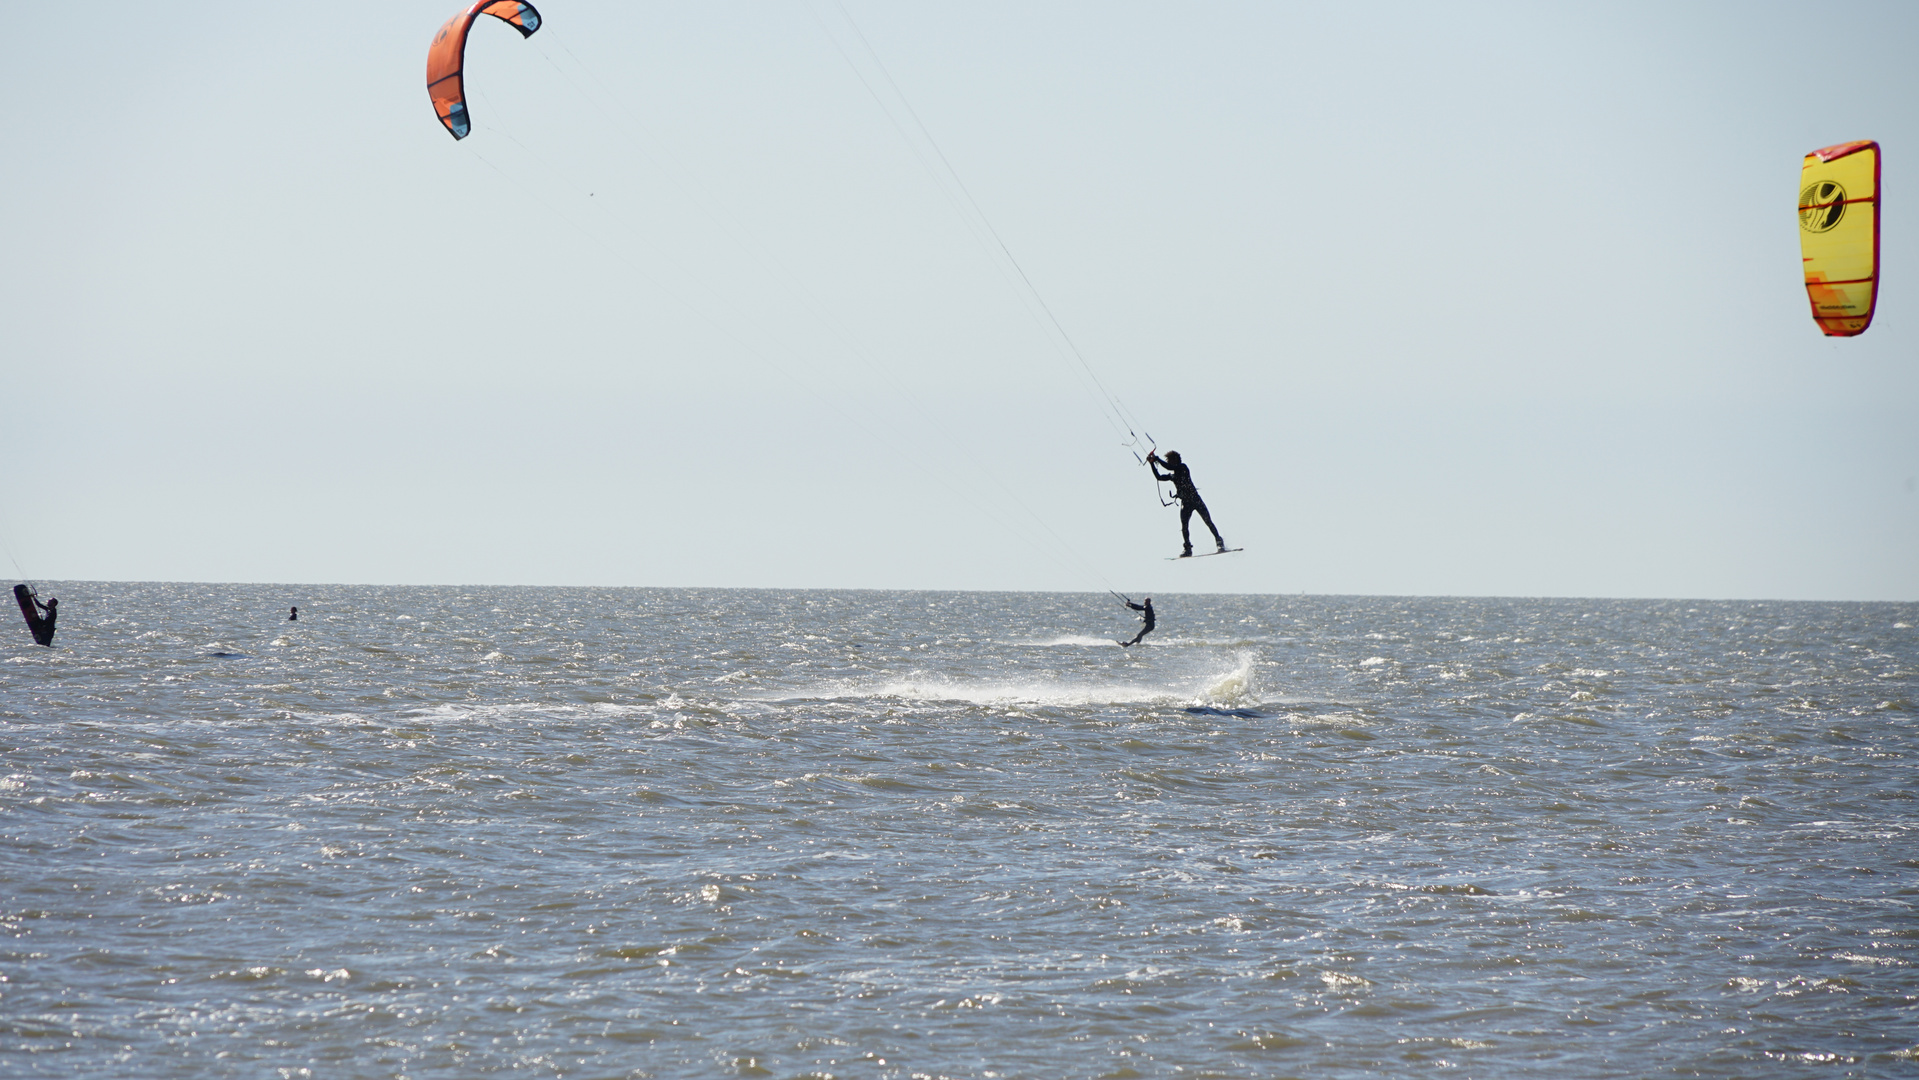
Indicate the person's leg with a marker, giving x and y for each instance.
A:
(1186, 527)
(1207, 517)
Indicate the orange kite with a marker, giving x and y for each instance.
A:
(446, 57)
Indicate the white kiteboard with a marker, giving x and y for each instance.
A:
(1203, 554)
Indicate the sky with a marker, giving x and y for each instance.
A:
(1462, 300)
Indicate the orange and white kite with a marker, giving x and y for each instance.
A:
(446, 57)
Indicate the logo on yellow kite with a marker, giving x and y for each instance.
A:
(1821, 205)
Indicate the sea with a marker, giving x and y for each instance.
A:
(612, 833)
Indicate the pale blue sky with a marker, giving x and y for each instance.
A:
(1450, 300)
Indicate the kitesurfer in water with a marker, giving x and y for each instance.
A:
(40, 622)
(1146, 615)
(1189, 501)
(295, 616)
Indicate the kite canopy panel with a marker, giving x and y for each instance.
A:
(446, 57)
(1839, 235)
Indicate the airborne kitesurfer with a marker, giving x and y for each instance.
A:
(1146, 616)
(1189, 501)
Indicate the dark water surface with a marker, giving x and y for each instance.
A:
(460, 832)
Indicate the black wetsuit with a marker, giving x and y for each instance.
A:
(1146, 611)
(38, 624)
(1189, 503)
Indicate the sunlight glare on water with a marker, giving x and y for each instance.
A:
(457, 832)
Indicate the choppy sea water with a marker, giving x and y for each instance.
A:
(458, 832)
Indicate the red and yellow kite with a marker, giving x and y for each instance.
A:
(1839, 235)
(446, 57)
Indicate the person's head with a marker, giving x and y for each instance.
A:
(1171, 456)
(1148, 600)
(52, 602)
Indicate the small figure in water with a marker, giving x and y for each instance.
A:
(39, 622)
(1146, 614)
(1189, 501)
(295, 617)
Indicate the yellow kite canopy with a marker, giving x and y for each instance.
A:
(1839, 235)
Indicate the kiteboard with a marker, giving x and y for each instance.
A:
(37, 626)
(1203, 554)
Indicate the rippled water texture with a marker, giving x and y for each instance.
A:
(447, 833)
